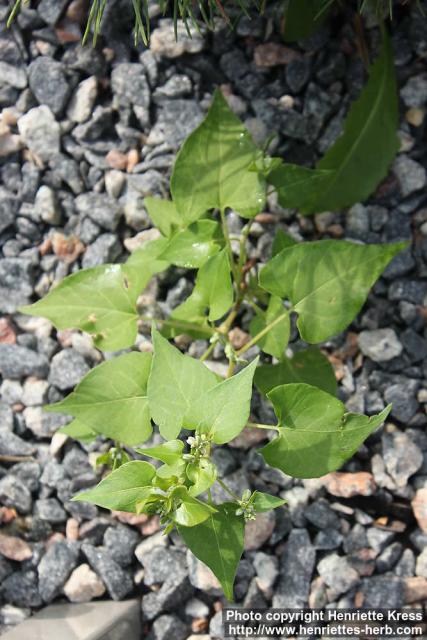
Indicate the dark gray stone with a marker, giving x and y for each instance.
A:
(49, 83)
(106, 248)
(176, 120)
(121, 542)
(296, 568)
(14, 493)
(19, 362)
(100, 208)
(28, 472)
(389, 557)
(50, 509)
(161, 563)
(328, 539)
(409, 290)
(55, 567)
(297, 74)
(173, 593)
(168, 626)
(402, 396)
(414, 345)
(402, 456)
(13, 445)
(16, 283)
(75, 463)
(67, 369)
(51, 10)
(321, 515)
(382, 592)
(118, 582)
(21, 589)
(129, 85)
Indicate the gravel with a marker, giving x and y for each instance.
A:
(92, 133)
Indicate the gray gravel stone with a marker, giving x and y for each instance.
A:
(67, 369)
(414, 93)
(402, 457)
(129, 85)
(50, 509)
(16, 283)
(40, 132)
(296, 568)
(13, 445)
(100, 208)
(168, 626)
(105, 249)
(337, 573)
(55, 567)
(161, 563)
(121, 542)
(382, 591)
(118, 582)
(402, 396)
(380, 345)
(321, 515)
(388, 558)
(21, 589)
(176, 120)
(28, 472)
(411, 175)
(48, 83)
(14, 493)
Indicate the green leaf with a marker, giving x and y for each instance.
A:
(98, 301)
(212, 168)
(309, 366)
(202, 476)
(223, 410)
(77, 430)
(123, 488)
(361, 157)
(218, 542)
(214, 285)
(265, 502)
(169, 452)
(112, 399)
(164, 215)
(191, 512)
(298, 187)
(281, 241)
(276, 340)
(327, 282)
(316, 435)
(175, 383)
(191, 247)
(144, 262)
(304, 17)
(213, 291)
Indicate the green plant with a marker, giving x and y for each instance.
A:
(323, 283)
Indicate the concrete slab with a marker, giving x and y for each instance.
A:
(104, 620)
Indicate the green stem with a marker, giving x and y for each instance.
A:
(210, 500)
(258, 425)
(227, 489)
(208, 352)
(180, 325)
(262, 333)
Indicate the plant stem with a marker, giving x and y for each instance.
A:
(207, 353)
(231, 366)
(180, 325)
(227, 489)
(210, 501)
(262, 333)
(258, 425)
